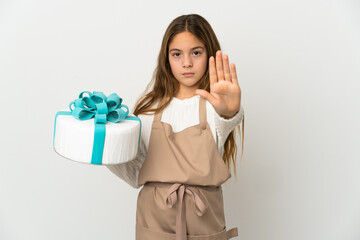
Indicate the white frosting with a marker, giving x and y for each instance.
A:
(74, 140)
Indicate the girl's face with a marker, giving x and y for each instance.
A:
(188, 61)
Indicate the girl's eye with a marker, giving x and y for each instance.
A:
(176, 54)
(196, 53)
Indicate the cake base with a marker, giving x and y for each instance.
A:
(73, 139)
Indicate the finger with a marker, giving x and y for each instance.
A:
(226, 68)
(219, 66)
(234, 75)
(205, 94)
(212, 71)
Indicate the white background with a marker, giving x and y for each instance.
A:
(298, 65)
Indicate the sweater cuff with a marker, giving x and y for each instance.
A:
(225, 126)
(235, 120)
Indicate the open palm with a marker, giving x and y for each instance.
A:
(225, 92)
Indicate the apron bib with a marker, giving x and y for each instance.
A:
(182, 197)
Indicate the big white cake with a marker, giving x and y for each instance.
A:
(74, 138)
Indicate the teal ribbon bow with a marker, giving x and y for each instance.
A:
(96, 105)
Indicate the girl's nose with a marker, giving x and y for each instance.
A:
(187, 63)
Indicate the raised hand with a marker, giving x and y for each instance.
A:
(225, 92)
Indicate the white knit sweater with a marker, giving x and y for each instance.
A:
(180, 114)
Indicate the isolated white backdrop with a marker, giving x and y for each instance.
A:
(298, 65)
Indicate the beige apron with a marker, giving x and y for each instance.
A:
(182, 175)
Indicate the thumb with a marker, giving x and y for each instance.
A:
(205, 94)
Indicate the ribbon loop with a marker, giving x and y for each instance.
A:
(113, 101)
(177, 191)
(102, 108)
(97, 105)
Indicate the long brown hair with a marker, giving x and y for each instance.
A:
(164, 85)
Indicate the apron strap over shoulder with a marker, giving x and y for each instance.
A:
(157, 116)
(202, 110)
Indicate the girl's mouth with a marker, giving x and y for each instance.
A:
(188, 74)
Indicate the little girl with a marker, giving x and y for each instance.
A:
(187, 138)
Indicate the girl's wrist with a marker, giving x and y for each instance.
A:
(229, 116)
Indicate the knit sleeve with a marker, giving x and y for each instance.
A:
(223, 126)
(129, 171)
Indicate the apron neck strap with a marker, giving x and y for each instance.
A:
(157, 116)
(202, 110)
